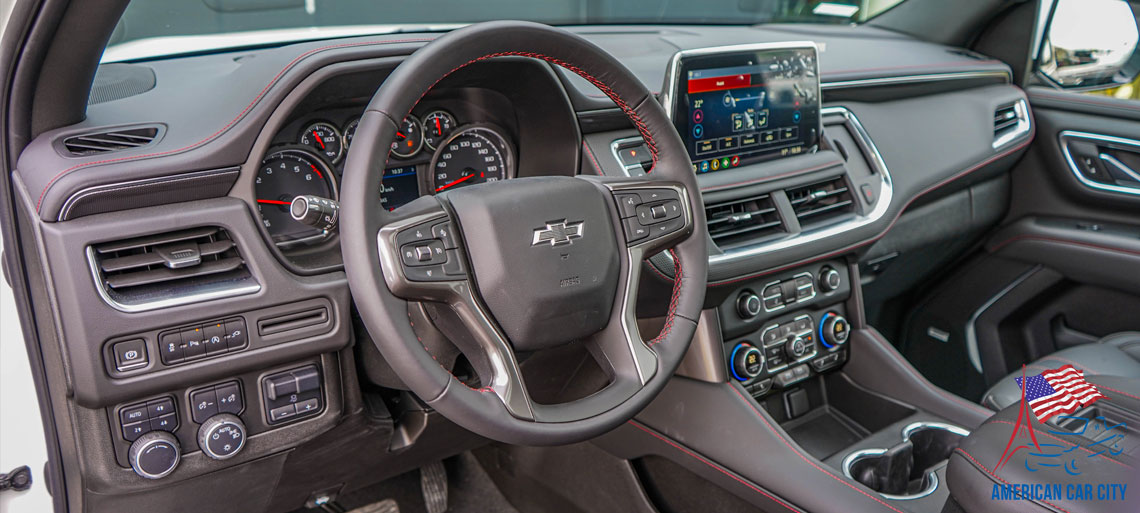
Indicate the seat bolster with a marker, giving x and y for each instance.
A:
(1127, 341)
(1107, 359)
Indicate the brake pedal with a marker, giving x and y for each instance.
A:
(433, 481)
(384, 506)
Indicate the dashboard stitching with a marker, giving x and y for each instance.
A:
(719, 468)
(233, 122)
(770, 178)
(672, 315)
(802, 457)
(995, 476)
(418, 339)
(937, 185)
(1062, 241)
(629, 112)
(593, 159)
(1046, 433)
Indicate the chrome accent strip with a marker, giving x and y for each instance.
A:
(913, 79)
(1132, 144)
(145, 306)
(1021, 108)
(1120, 166)
(911, 428)
(971, 330)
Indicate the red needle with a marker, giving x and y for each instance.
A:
(453, 183)
(317, 171)
(400, 135)
(319, 141)
(438, 129)
(274, 202)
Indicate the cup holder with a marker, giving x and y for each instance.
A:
(906, 470)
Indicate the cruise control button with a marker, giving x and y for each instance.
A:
(419, 233)
(426, 273)
(633, 230)
(423, 253)
(442, 231)
(664, 228)
(655, 195)
(672, 209)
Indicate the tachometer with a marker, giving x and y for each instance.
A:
(475, 154)
(409, 137)
(325, 139)
(284, 175)
(437, 126)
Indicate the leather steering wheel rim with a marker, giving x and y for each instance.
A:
(385, 314)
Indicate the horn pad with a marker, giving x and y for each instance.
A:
(544, 255)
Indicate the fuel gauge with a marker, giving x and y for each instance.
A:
(437, 126)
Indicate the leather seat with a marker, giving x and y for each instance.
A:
(1114, 355)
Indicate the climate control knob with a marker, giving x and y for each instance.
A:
(829, 279)
(154, 455)
(748, 305)
(833, 330)
(221, 436)
(747, 362)
(796, 348)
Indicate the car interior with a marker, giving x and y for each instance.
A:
(696, 258)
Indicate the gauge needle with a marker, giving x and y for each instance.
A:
(273, 202)
(318, 138)
(400, 135)
(438, 128)
(453, 183)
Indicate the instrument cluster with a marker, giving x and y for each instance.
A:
(444, 146)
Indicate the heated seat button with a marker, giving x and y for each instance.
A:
(203, 404)
(235, 333)
(130, 354)
(170, 347)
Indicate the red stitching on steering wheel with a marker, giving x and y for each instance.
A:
(421, 341)
(672, 303)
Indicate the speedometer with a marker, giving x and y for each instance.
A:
(475, 154)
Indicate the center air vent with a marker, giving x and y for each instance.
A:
(106, 142)
(172, 268)
(821, 202)
(747, 220)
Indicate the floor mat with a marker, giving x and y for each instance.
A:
(470, 491)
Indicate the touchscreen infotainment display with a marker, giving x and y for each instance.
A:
(746, 105)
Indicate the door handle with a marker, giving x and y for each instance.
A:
(1123, 172)
(1094, 160)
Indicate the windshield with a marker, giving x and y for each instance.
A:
(151, 28)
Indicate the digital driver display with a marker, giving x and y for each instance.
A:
(746, 106)
(399, 186)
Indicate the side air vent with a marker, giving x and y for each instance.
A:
(821, 202)
(1011, 121)
(747, 220)
(172, 268)
(107, 142)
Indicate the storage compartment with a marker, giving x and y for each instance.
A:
(907, 470)
(829, 413)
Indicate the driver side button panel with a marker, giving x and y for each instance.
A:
(428, 252)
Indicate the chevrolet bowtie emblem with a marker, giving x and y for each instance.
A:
(557, 233)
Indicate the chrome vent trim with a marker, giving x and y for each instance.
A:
(169, 269)
(743, 220)
(821, 202)
(1011, 122)
(110, 141)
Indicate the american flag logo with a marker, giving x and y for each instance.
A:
(1058, 391)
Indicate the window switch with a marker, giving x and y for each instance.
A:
(130, 354)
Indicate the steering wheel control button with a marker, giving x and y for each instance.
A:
(423, 253)
(291, 394)
(627, 204)
(443, 233)
(154, 455)
(747, 362)
(834, 330)
(634, 230)
(130, 355)
(221, 436)
(203, 404)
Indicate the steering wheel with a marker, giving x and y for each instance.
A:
(529, 263)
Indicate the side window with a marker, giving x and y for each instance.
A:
(1091, 46)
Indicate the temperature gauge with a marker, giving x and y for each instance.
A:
(325, 139)
(437, 126)
(409, 138)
